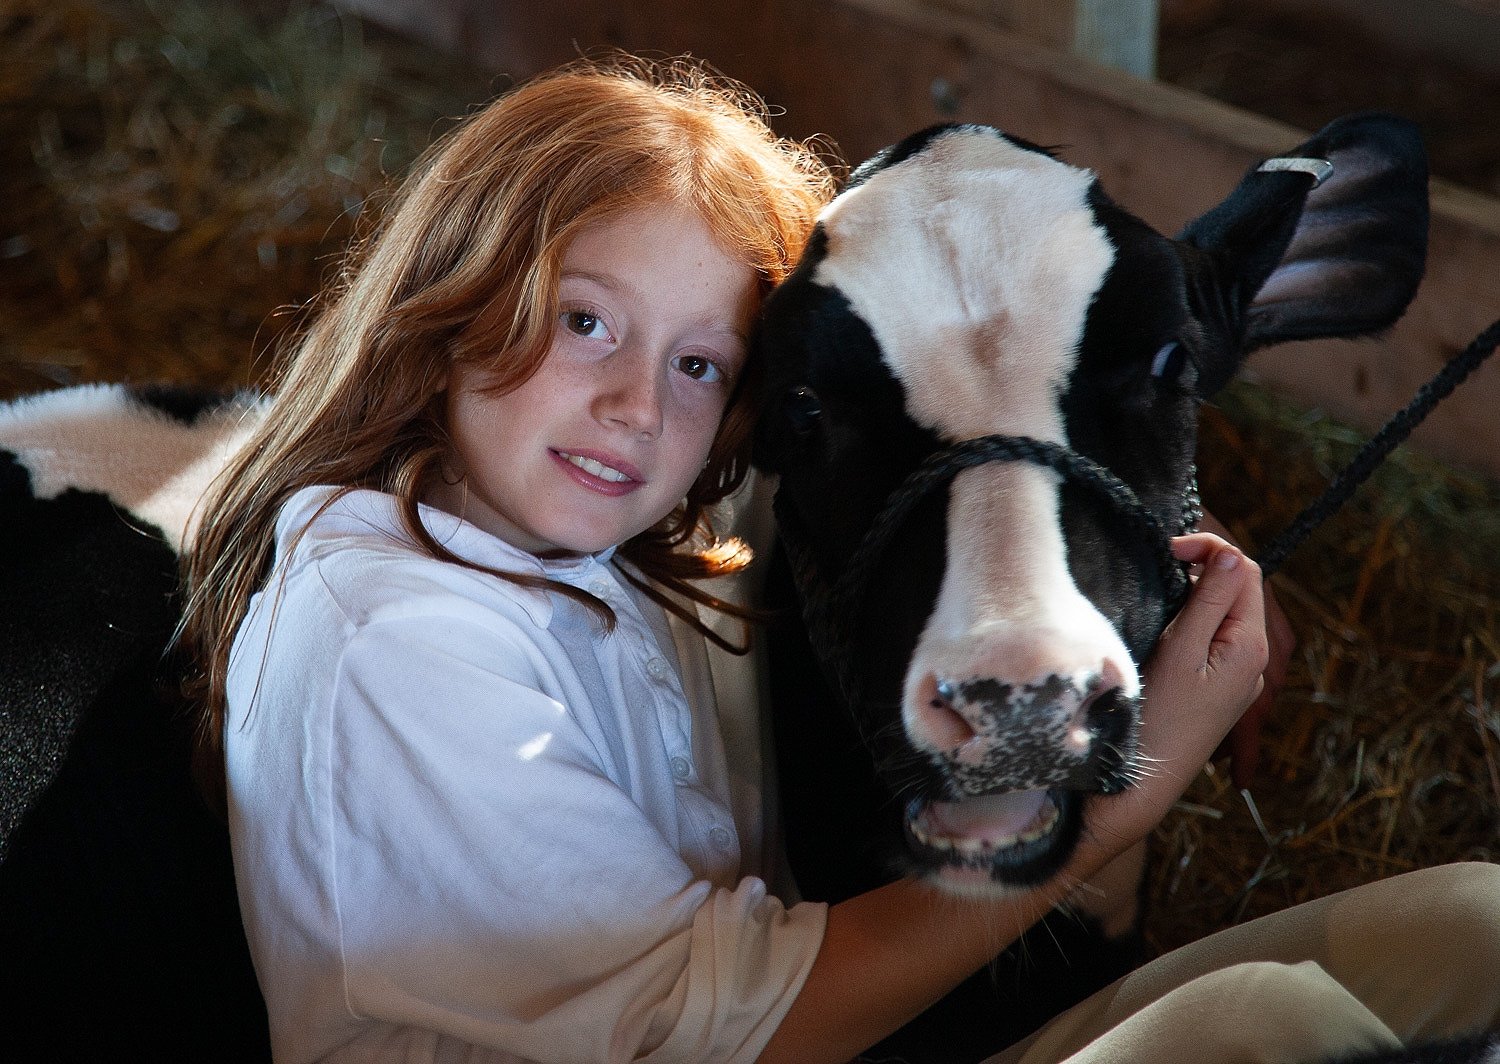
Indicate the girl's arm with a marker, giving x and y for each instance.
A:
(888, 954)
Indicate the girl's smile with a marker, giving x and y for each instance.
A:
(600, 472)
(608, 435)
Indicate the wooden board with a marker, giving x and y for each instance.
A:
(1117, 33)
(1465, 31)
(866, 72)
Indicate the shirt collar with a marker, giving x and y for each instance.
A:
(365, 512)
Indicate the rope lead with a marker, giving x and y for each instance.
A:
(1394, 433)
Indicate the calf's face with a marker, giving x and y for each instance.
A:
(969, 284)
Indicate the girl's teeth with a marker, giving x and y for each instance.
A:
(599, 469)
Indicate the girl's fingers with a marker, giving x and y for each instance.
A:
(1196, 546)
(1225, 609)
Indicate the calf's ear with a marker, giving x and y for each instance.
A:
(1299, 251)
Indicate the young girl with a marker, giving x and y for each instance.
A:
(484, 801)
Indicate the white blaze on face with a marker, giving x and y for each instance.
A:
(974, 263)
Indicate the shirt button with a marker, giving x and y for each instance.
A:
(721, 838)
(599, 589)
(657, 667)
(680, 768)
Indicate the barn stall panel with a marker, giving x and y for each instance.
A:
(1464, 31)
(867, 72)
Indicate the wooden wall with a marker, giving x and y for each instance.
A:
(1117, 33)
(1467, 31)
(867, 72)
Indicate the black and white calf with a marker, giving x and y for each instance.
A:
(968, 284)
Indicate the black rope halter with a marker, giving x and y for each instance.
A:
(829, 610)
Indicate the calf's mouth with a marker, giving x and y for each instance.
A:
(1014, 838)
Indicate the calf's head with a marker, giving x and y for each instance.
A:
(967, 283)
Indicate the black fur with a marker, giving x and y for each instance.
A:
(119, 924)
(183, 403)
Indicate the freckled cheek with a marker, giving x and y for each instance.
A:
(695, 408)
(700, 434)
(698, 427)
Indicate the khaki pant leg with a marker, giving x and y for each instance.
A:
(1260, 1012)
(1414, 955)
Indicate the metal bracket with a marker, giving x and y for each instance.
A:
(1318, 169)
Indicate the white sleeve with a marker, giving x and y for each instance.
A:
(493, 884)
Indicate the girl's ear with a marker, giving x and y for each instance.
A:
(1301, 251)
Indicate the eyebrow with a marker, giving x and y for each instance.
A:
(602, 279)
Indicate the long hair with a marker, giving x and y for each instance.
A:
(464, 267)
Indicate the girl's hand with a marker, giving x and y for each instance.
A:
(1206, 670)
(1242, 746)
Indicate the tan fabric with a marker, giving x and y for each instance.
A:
(1413, 956)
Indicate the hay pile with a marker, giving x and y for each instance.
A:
(1383, 754)
(180, 177)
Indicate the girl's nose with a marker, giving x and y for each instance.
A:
(629, 397)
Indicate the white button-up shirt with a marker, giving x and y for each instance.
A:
(468, 824)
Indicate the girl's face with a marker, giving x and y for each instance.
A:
(607, 436)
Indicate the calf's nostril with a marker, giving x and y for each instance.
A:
(939, 724)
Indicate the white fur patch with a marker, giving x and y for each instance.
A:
(97, 438)
(974, 263)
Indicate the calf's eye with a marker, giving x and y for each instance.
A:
(1169, 361)
(802, 408)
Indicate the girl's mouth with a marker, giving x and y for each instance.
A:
(601, 474)
(599, 469)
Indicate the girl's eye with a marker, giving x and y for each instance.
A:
(585, 324)
(699, 368)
